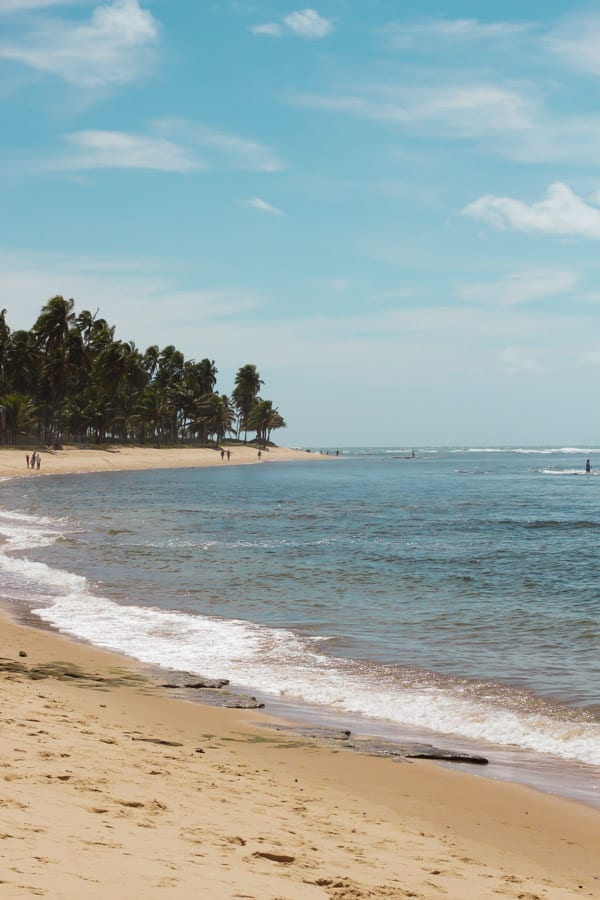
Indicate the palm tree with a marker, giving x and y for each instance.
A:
(51, 331)
(16, 414)
(216, 417)
(4, 339)
(264, 419)
(153, 411)
(70, 374)
(245, 395)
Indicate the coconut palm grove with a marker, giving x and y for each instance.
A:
(68, 379)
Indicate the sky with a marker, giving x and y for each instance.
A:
(392, 209)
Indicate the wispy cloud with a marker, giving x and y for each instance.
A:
(519, 287)
(120, 150)
(171, 145)
(114, 46)
(304, 23)
(263, 206)
(239, 151)
(272, 29)
(404, 34)
(154, 298)
(453, 110)
(8, 7)
(560, 212)
(576, 41)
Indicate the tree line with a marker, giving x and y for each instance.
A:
(69, 379)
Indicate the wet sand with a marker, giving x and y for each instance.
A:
(110, 787)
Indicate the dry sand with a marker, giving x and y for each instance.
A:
(93, 805)
(116, 458)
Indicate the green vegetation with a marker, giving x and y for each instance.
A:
(69, 379)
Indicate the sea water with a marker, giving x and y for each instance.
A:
(452, 596)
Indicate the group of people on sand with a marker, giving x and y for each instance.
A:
(34, 461)
(225, 453)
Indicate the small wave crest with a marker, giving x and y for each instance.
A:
(282, 663)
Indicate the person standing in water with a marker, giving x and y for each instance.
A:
(588, 467)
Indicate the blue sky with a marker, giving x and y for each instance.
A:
(392, 209)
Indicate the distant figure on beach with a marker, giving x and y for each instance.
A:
(27, 458)
(228, 455)
(259, 455)
(33, 458)
(38, 462)
(588, 467)
(222, 455)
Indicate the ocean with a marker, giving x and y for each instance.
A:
(451, 597)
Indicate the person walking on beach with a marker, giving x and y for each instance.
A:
(259, 455)
(38, 462)
(228, 455)
(27, 459)
(222, 455)
(588, 467)
(32, 463)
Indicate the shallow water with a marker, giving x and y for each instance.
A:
(455, 593)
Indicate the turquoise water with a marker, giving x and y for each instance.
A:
(455, 593)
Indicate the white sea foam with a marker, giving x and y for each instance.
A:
(278, 662)
(554, 471)
(273, 661)
(529, 450)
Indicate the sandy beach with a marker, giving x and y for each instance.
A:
(72, 460)
(111, 786)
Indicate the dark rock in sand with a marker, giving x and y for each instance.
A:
(241, 701)
(195, 682)
(22, 653)
(216, 696)
(376, 747)
(213, 684)
(320, 733)
(11, 665)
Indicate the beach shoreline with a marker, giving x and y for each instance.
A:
(110, 781)
(121, 458)
(93, 797)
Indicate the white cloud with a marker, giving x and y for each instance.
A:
(307, 23)
(240, 152)
(519, 287)
(263, 206)
(577, 42)
(154, 301)
(120, 150)
(404, 34)
(270, 28)
(113, 47)
(454, 110)
(176, 145)
(560, 212)
(304, 23)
